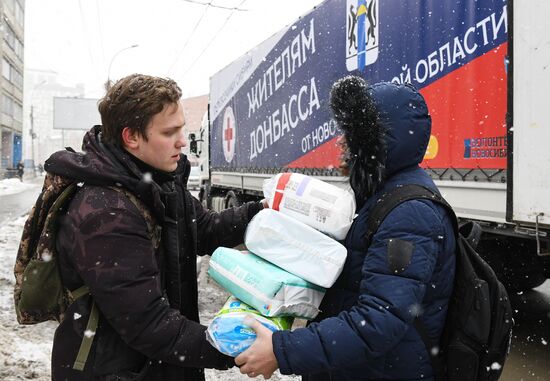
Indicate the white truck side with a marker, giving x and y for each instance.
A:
(483, 67)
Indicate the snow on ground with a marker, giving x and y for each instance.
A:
(25, 351)
(10, 186)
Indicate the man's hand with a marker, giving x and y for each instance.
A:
(259, 359)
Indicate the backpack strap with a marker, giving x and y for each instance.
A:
(91, 326)
(431, 346)
(379, 212)
(153, 228)
(397, 196)
(471, 231)
(87, 340)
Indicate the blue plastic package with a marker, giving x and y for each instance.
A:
(230, 335)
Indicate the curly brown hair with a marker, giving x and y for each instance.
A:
(131, 102)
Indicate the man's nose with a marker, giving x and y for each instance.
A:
(182, 142)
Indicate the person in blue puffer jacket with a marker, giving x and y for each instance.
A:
(365, 330)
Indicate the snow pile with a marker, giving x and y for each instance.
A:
(11, 186)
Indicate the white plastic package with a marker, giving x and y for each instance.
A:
(228, 332)
(262, 285)
(316, 203)
(295, 247)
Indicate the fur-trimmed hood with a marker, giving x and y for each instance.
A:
(386, 128)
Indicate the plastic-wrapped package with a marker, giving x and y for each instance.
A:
(296, 247)
(316, 203)
(229, 334)
(264, 286)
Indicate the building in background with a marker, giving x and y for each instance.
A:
(193, 109)
(12, 14)
(40, 137)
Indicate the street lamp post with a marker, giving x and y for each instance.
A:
(31, 131)
(115, 55)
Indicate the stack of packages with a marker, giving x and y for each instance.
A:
(291, 260)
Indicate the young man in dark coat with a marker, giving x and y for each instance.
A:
(131, 235)
(365, 330)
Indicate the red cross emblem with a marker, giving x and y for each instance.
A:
(229, 134)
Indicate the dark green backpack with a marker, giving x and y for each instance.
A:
(39, 293)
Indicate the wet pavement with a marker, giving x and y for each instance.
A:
(529, 357)
(18, 204)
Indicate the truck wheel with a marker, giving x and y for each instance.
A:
(202, 197)
(231, 200)
(529, 281)
(514, 261)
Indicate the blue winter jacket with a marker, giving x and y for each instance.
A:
(365, 330)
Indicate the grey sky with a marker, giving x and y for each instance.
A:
(79, 38)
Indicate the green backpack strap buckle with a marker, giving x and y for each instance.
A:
(79, 292)
(89, 333)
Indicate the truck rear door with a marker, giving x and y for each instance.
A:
(529, 193)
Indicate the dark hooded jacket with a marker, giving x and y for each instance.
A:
(146, 295)
(365, 330)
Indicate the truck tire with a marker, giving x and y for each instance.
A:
(202, 198)
(232, 200)
(514, 260)
(218, 203)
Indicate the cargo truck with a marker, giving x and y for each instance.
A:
(483, 68)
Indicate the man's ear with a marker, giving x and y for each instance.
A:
(130, 138)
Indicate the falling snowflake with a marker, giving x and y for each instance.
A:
(147, 177)
(416, 309)
(46, 256)
(495, 366)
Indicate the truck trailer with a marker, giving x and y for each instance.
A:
(482, 66)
